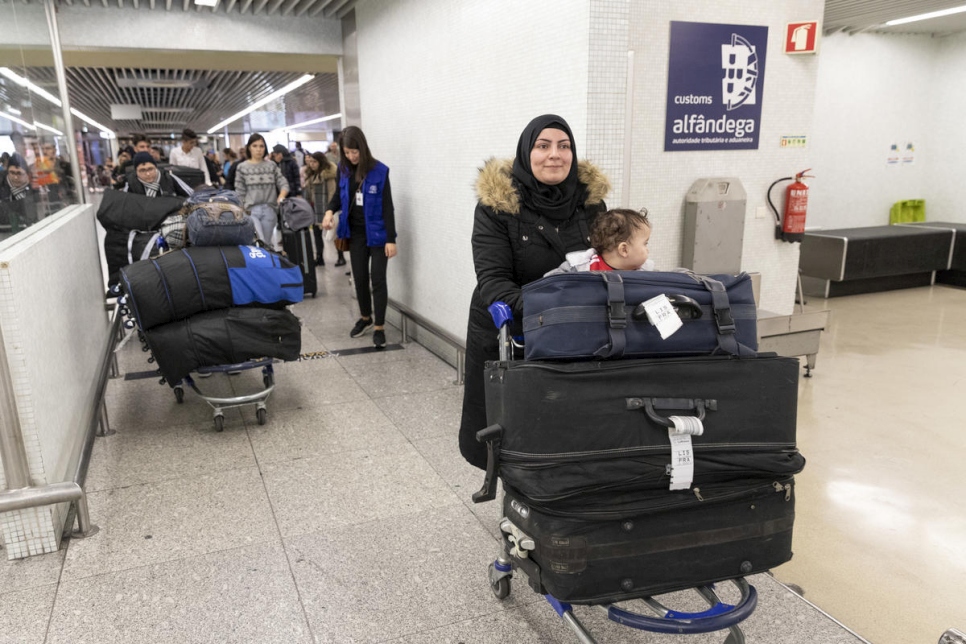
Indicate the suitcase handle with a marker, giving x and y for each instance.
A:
(493, 437)
(685, 306)
(678, 404)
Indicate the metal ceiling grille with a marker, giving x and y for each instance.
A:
(171, 100)
(853, 16)
(325, 8)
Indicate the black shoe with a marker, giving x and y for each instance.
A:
(361, 327)
(379, 339)
(320, 261)
(340, 261)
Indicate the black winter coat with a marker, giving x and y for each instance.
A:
(512, 246)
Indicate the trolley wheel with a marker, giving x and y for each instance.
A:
(219, 423)
(261, 414)
(179, 394)
(501, 589)
(268, 379)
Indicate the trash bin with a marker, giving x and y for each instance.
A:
(906, 212)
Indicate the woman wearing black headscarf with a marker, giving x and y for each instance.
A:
(532, 211)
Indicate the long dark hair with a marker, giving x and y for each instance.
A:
(323, 162)
(353, 138)
(252, 139)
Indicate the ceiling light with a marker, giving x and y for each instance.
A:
(206, 3)
(23, 82)
(48, 128)
(312, 122)
(104, 130)
(268, 99)
(926, 16)
(14, 119)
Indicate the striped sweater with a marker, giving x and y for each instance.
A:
(259, 183)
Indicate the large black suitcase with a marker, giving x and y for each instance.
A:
(297, 245)
(684, 540)
(570, 430)
(582, 316)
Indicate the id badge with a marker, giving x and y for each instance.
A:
(359, 198)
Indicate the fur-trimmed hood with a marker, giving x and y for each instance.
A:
(494, 186)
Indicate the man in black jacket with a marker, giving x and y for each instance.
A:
(290, 169)
(18, 202)
(147, 179)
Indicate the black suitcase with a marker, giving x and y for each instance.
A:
(686, 539)
(569, 430)
(194, 177)
(297, 245)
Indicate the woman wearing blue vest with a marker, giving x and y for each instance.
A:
(368, 221)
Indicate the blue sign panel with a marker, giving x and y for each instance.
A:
(715, 82)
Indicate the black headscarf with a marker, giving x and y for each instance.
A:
(557, 202)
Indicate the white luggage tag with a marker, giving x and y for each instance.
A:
(682, 451)
(661, 313)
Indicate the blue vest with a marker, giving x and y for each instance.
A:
(372, 187)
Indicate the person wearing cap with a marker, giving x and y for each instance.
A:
(290, 170)
(188, 154)
(18, 201)
(150, 181)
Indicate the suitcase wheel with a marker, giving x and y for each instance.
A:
(499, 580)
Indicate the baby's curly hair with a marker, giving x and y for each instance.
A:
(616, 226)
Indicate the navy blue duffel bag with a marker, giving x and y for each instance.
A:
(599, 315)
(179, 284)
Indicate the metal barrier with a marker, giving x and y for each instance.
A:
(19, 494)
(408, 316)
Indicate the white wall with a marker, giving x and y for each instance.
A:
(947, 136)
(873, 90)
(443, 86)
(54, 332)
(661, 179)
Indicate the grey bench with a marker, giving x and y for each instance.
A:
(849, 261)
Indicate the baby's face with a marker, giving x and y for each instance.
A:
(635, 251)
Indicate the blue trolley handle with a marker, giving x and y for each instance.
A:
(719, 617)
(502, 316)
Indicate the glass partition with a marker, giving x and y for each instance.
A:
(36, 178)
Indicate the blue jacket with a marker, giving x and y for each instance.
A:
(372, 189)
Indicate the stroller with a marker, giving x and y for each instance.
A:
(588, 516)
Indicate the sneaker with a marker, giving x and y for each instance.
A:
(361, 327)
(379, 339)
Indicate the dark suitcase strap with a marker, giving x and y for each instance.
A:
(595, 314)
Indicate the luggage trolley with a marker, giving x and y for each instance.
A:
(719, 616)
(219, 404)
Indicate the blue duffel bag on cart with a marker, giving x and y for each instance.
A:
(179, 284)
(601, 315)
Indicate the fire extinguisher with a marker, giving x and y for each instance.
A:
(791, 226)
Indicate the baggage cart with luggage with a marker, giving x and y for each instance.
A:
(629, 478)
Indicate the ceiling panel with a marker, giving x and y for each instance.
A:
(853, 16)
(326, 8)
(171, 100)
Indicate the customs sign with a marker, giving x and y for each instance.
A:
(715, 83)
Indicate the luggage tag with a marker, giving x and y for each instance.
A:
(661, 313)
(682, 451)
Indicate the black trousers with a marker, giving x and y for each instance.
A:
(369, 263)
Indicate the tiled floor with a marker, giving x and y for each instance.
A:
(347, 517)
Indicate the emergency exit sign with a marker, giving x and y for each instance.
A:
(801, 37)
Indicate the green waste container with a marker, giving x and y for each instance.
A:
(905, 212)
